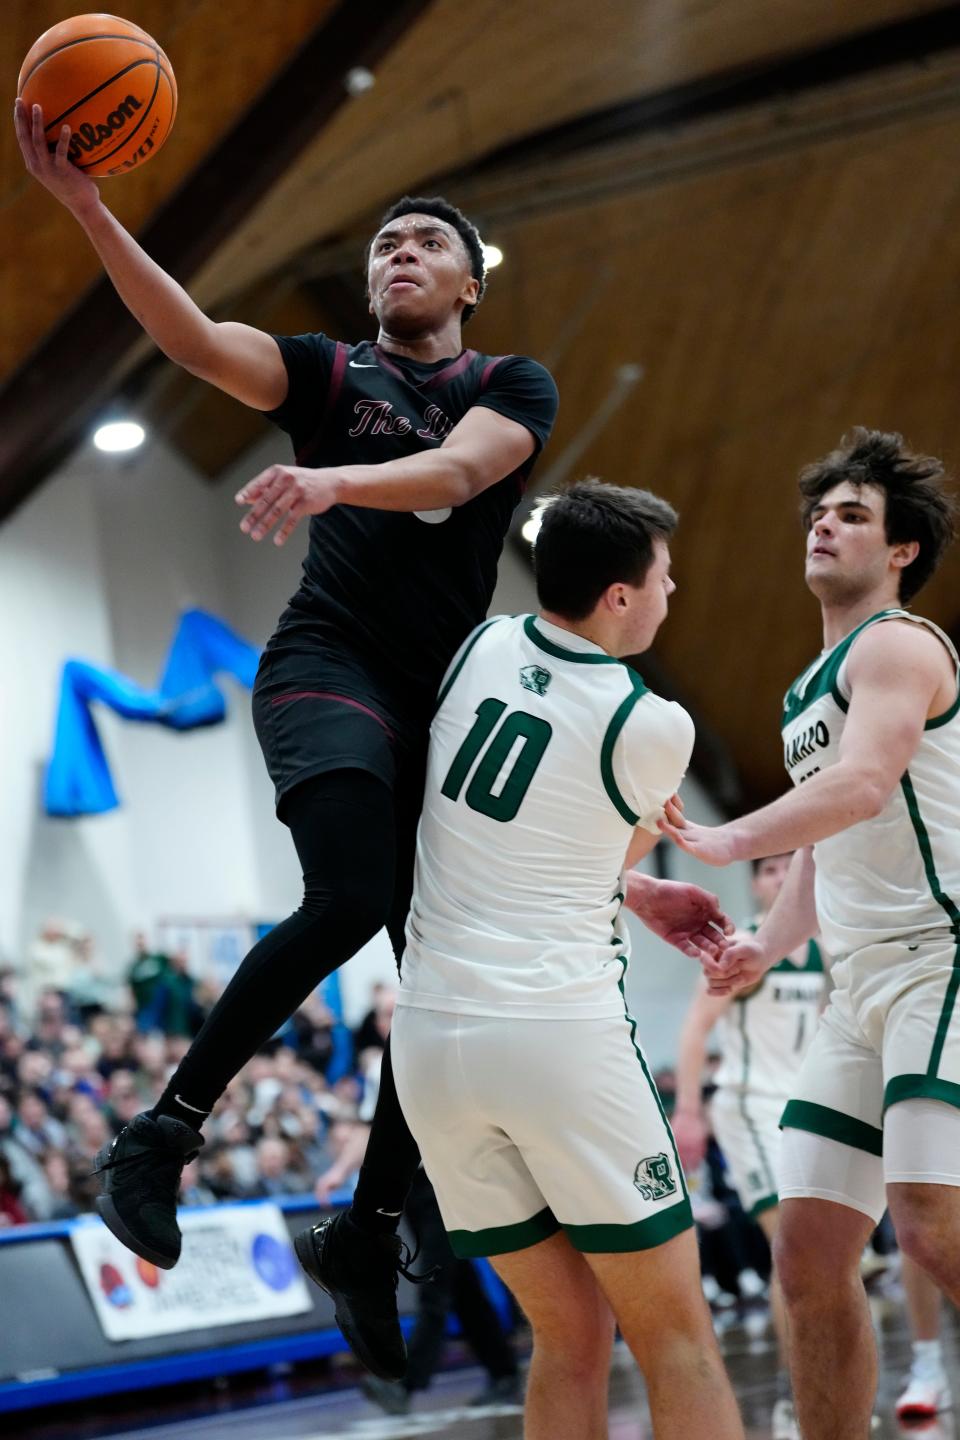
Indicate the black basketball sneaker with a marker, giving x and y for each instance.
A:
(360, 1273)
(140, 1175)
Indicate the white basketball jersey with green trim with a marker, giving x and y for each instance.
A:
(545, 753)
(896, 876)
(764, 1035)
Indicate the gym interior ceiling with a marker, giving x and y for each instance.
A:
(759, 205)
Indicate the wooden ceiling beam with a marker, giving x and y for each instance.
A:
(52, 398)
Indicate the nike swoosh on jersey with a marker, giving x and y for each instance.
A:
(359, 365)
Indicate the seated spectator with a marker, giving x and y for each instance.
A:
(193, 1191)
(115, 1039)
(12, 1211)
(52, 1031)
(88, 1129)
(146, 970)
(175, 1009)
(375, 1025)
(24, 1169)
(64, 1204)
(87, 989)
(35, 1128)
(151, 1069)
(123, 1098)
(312, 1027)
(275, 1172)
(50, 961)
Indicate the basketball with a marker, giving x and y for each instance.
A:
(110, 82)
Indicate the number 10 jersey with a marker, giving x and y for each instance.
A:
(545, 753)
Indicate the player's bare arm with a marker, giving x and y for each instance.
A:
(790, 923)
(689, 1122)
(483, 448)
(683, 915)
(899, 678)
(243, 361)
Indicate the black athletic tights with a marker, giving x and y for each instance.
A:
(356, 852)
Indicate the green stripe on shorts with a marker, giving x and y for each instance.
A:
(920, 1087)
(504, 1239)
(641, 1235)
(833, 1124)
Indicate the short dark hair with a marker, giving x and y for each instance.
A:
(590, 537)
(442, 210)
(917, 506)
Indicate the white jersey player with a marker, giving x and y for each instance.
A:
(762, 1035)
(872, 742)
(515, 1057)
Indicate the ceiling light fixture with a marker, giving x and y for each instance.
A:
(119, 435)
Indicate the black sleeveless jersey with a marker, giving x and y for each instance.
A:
(401, 589)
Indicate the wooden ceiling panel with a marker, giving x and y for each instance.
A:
(222, 54)
(470, 78)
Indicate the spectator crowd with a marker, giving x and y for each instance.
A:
(80, 1056)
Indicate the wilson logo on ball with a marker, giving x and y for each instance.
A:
(90, 137)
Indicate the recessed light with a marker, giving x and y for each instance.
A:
(119, 435)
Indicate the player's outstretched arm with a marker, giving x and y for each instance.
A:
(244, 362)
(896, 675)
(688, 1120)
(483, 448)
(683, 915)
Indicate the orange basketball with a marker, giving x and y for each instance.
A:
(110, 82)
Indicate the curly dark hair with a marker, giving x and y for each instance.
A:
(593, 535)
(917, 504)
(443, 210)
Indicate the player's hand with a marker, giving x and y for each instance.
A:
(282, 496)
(742, 965)
(683, 915)
(690, 1132)
(713, 844)
(54, 170)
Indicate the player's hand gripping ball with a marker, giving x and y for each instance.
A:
(110, 82)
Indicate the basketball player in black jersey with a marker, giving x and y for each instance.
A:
(411, 454)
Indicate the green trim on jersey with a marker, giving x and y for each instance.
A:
(822, 1120)
(947, 715)
(823, 681)
(641, 1235)
(637, 691)
(949, 907)
(504, 1239)
(766, 1202)
(560, 652)
(813, 965)
(468, 646)
(920, 1087)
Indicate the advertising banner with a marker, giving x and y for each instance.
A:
(237, 1265)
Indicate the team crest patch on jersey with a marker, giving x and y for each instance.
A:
(653, 1177)
(535, 678)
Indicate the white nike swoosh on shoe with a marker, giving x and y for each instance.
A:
(359, 365)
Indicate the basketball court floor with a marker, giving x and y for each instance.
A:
(292, 1409)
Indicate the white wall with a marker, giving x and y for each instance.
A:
(98, 565)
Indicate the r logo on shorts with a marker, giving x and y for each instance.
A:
(653, 1177)
(535, 678)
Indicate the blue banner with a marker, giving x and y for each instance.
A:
(78, 780)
